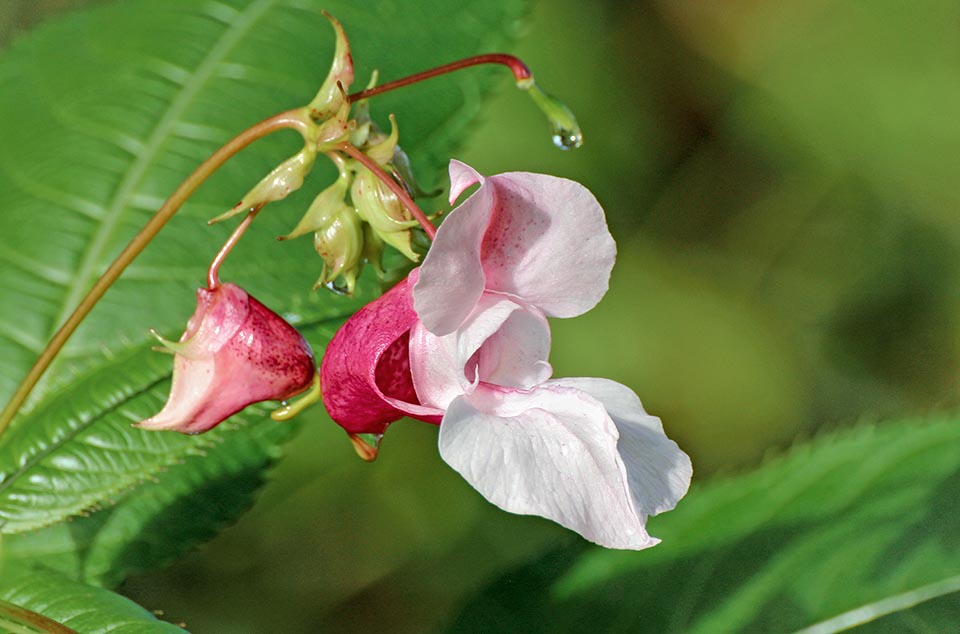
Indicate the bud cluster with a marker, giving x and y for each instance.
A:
(353, 218)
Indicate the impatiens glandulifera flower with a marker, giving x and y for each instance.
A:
(465, 340)
(235, 352)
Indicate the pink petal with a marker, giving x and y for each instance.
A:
(235, 352)
(550, 451)
(365, 373)
(501, 342)
(539, 237)
(548, 243)
(462, 176)
(451, 278)
(658, 471)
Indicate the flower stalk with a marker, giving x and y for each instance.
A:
(395, 187)
(213, 273)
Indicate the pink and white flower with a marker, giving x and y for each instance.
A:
(234, 352)
(464, 341)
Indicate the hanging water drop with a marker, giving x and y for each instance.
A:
(567, 139)
(563, 124)
(367, 446)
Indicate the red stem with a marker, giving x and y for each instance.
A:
(394, 186)
(520, 72)
(213, 277)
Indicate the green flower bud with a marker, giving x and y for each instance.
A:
(366, 131)
(331, 95)
(341, 245)
(382, 151)
(387, 216)
(285, 178)
(323, 208)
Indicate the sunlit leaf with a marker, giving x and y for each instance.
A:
(82, 608)
(847, 529)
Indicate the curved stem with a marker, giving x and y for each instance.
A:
(394, 186)
(213, 277)
(289, 119)
(515, 64)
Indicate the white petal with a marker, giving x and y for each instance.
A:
(462, 176)
(550, 451)
(501, 342)
(451, 277)
(433, 367)
(659, 471)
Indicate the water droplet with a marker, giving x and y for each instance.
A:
(336, 289)
(567, 139)
(367, 446)
(563, 123)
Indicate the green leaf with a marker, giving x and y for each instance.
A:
(78, 448)
(80, 607)
(182, 504)
(844, 530)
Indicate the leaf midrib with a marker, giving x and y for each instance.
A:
(96, 248)
(101, 412)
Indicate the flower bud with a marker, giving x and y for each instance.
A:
(331, 95)
(278, 184)
(235, 352)
(381, 208)
(323, 208)
(341, 245)
(563, 123)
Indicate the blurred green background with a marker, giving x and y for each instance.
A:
(781, 178)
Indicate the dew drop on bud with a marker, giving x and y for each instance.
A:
(336, 289)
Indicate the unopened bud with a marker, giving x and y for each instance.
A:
(341, 245)
(235, 352)
(285, 178)
(563, 123)
(323, 208)
(381, 208)
(331, 95)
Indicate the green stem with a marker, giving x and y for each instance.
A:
(394, 186)
(290, 119)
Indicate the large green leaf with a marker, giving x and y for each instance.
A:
(181, 504)
(102, 114)
(82, 608)
(848, 529)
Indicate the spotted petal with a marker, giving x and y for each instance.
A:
(535, 236)
(365, 374)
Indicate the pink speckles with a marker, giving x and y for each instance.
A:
(235, 352)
